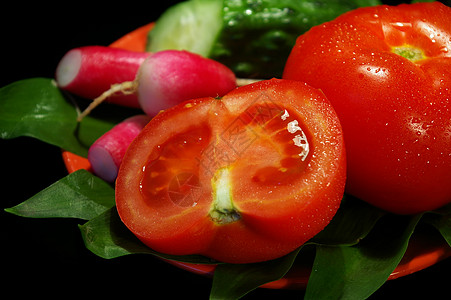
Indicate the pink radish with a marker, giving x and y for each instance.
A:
(169, 77)
(105, 155)
(89, 71)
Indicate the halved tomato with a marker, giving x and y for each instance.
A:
(244, 178)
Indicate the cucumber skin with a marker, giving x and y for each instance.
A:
(256, 36)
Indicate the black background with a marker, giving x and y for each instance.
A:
(46, 257)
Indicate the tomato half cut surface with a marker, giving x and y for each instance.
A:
(245, 178)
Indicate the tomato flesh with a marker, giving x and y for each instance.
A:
(387, 72)
(245, 178)
(171, 174)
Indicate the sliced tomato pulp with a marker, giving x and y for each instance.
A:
(245, 178)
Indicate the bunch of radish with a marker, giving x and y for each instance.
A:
(150, 81)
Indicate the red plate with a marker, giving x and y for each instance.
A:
(423, 251)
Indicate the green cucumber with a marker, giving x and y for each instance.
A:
(252, 37)
(190, 25)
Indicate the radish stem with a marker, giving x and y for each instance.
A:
(126, 88)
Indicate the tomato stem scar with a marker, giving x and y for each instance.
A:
(222, 210)
(411, 53)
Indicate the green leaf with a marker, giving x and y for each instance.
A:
(36, 108)
(233, 281)
(443, 225)
(441, 220)
(352, 222)
(78, 195)
(355, 272)
(107, 237)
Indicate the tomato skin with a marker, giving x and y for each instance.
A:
(395, 113)
(243, 140)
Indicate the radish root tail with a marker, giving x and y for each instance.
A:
(246, 81)
(126, 88)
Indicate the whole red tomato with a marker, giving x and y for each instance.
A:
(387, 72)
(245, 178)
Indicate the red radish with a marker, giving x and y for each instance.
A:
(89, 71)
(169, 77)
(105, 155)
